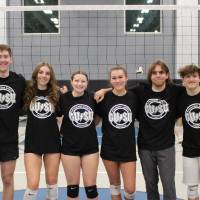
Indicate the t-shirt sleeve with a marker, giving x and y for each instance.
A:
(59, 111)
(98, 109)
(136, 89)
(179, 90)
(178, 106)
(23, 87)
(136, 105)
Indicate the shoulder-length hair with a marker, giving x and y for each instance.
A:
(163, 66)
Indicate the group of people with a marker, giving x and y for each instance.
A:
(156, 104)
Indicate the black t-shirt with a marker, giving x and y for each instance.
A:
(118, 114)
(42, 133)
(78, 128)
(11, 98)
(189, 109)
(157, 115)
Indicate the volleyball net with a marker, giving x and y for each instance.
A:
(95, 37)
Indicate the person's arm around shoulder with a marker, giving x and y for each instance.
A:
(178, 130)
(63, 89)
(99, 95)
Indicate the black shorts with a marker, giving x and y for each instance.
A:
(40, 148)
(42, 151)
(118, 148)
(8, 152)
(79, 147)
(106, 155)
(79, 153)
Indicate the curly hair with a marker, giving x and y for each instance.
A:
(188, 70)
(31, 89)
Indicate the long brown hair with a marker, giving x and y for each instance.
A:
(52, 87)
(163, 66)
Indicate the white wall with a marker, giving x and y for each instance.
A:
(186, 33)
(3, 30)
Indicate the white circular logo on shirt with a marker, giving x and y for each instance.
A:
(41, 107)
(81, 115)
(7, 97)
(156, 108)
(120, 116)
(192, 115)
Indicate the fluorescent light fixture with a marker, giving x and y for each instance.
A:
(144, 11)
(54, 20)
(149, 1)
(39, 1)
(140, 20)
(49, 12)
(156, 31)
(132, 30)
(136, 25)
(57, 26)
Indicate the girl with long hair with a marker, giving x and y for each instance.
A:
(42, 138)
(118, 151)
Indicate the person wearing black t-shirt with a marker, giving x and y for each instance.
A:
(12, 88)
(42, 138)
(118, 150)
(157, 115)
(189, 110)
(79, 138)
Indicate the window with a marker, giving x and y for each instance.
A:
(142, 20)
(46, 21)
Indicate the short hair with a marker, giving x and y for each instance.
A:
(4, 47)
(188, 69)
(163, 66)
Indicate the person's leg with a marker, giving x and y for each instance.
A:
(33, 164)
(51, 165)
(7, 171)
(166, 165)
(112, 169)
(191, 177)
(128, 170)
(72, 166)
(89, 164)
(150, 172)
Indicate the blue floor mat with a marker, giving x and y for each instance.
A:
(103, 194)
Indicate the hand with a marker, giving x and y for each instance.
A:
(99, 95)
(178, 131)
(63, 89)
